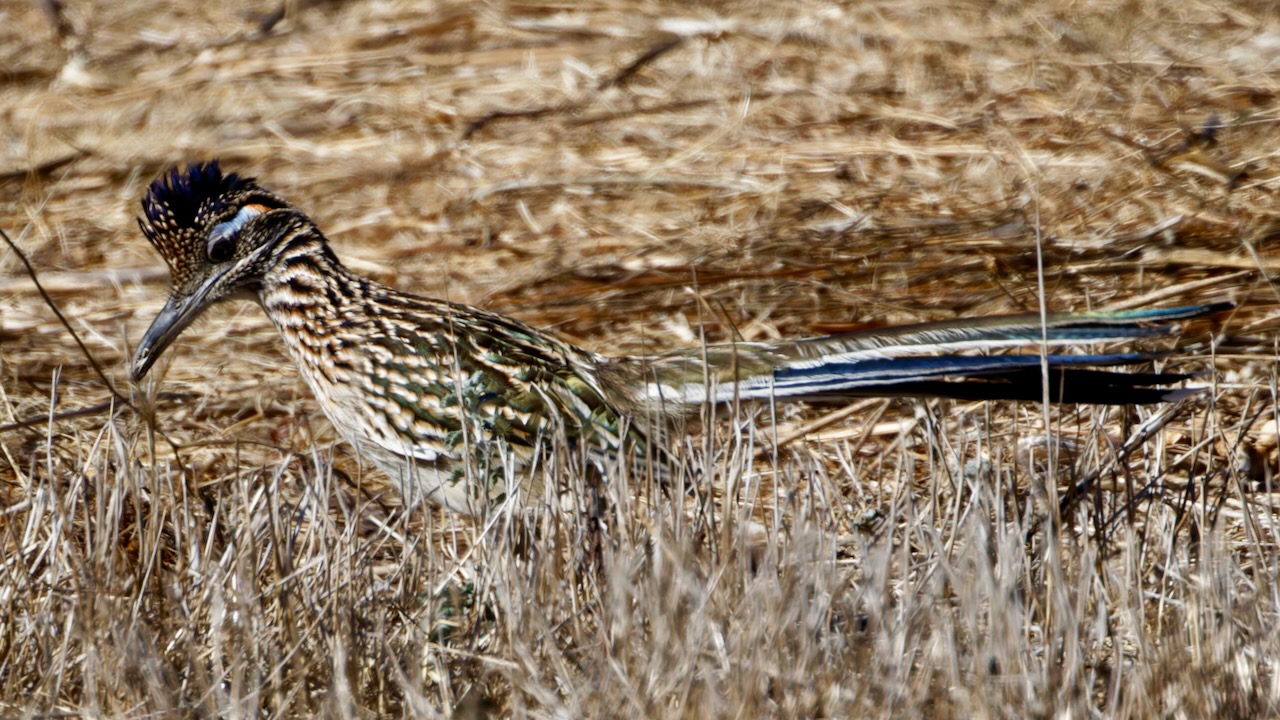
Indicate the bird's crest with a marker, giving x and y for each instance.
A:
(183, 205)
(180, 198)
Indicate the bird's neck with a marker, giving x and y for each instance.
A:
(309, 275)
(317, 304)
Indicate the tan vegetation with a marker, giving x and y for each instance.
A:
(638, 176)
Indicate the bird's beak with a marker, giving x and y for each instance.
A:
(175, 316)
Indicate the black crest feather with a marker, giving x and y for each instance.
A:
(177, 196)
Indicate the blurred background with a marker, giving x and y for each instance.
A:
(637, 176)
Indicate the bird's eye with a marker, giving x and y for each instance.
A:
(221, 248)
(222, 238)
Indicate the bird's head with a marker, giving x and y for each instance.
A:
(219, 233)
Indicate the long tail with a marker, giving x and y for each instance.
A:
(937, 359)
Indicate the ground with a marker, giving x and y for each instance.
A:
(638, 176)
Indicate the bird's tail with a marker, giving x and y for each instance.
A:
(942, 359)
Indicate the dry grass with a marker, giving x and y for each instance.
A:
(636, 175)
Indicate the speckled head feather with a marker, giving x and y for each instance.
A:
(182, 205)
(219, 234)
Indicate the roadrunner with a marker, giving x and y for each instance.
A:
(423, 388)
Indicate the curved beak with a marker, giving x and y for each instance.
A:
(174, 317)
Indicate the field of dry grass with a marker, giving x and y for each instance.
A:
(639, 175)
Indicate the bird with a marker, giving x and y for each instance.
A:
(447, 399)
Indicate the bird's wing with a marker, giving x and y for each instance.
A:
(503, 380)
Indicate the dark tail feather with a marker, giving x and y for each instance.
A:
(1066, 385)
(949, 359)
